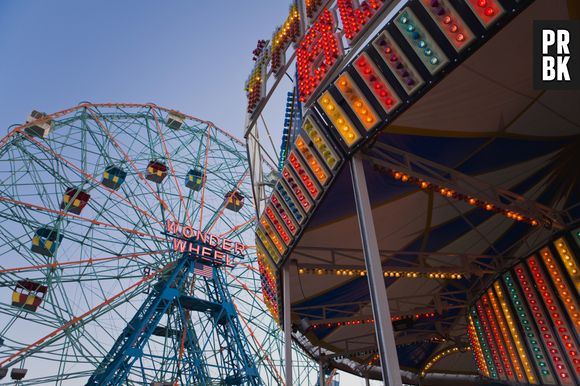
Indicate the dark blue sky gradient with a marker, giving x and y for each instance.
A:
(185, 54)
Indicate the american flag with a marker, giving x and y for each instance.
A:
(203, 270)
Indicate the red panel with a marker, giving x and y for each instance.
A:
(487, 11)
(377, 83)
(449, 22)
(354, 16)
(317, 53)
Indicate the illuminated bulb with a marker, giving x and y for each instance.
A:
(489, 11)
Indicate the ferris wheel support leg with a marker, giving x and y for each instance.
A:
(287, 324)
(377, 289)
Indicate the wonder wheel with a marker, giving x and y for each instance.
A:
(94, 284)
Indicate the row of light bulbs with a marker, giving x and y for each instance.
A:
(356, 322)
(441, 355)
(389, 273)
(450, 193)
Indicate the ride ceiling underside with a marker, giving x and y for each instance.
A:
(483, 131)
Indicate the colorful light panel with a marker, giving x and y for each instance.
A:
(485, 302)
(278, 224)
(421, 41)
(487, 11)
(569, 261)
(269, 282)
(543, 323)
(565, 293)
(514, 360)
(556, 315)
(376, 83)
(539, 355)
(319, 43)
(495, 355)
(283, 212)
(514, 333)
(268, 247)
(477, 350)
(493, 373)
(398, 63)
(302, 172)
(316, 166)
(449, 22)
(296, 188)
(283, 37)
(341, 122)
(268, 230)
(322, 145)
(357, 101)
(291, 202)
(354, 16)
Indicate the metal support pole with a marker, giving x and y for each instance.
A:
(367, 382)
(321, 372)
(287, 323)
(378, 292)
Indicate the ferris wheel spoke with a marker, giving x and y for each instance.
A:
(119, 239)
(214, 220)
(240, 227)
(104, 128)
(77, 217)
(90, 177)
(61, 331)
(264, 352)
(205, 171)
(171, 168)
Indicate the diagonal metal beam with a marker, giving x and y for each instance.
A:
(387, 156)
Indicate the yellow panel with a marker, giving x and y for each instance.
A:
(312, 160)
(569, 261)
(339, 119)
(30, 299)
(320, 143)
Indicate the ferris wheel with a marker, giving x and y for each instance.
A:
(105, 213)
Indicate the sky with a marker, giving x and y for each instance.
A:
(189, 55)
